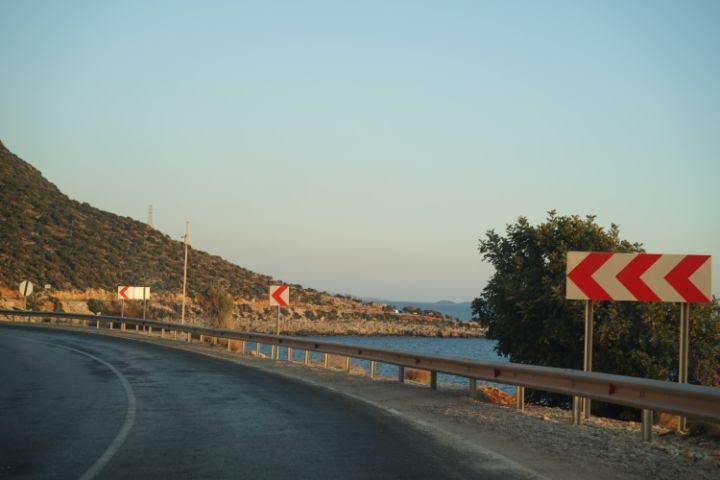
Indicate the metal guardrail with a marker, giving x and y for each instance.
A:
(649, 395)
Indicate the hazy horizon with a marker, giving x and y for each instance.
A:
(365, 148)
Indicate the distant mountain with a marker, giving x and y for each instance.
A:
(48, 238)
(460, 310)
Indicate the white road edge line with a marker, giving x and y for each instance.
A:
(127, 425)
(122, 435)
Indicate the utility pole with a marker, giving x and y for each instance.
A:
(186, 238)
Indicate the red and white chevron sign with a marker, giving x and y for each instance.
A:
(126, 292)
(638, 277)
(279, 295)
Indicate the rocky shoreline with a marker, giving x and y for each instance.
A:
(332, 315)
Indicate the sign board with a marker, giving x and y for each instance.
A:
(26, 288)
(279, 295)
(638, 277)
(126, 292)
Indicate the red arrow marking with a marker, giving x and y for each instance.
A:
(277, 295)
(581, 275)
(679, 278)
(123, 290)
(630, 277)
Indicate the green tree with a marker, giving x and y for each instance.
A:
(525, 310)
(218, 306)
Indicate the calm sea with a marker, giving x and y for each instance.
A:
(467, 348)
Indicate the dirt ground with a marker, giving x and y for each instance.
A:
(540, 442)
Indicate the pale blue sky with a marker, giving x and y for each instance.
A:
(365, 147)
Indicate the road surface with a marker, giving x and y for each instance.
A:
(75, 405)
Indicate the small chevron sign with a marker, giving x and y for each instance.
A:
(279, 295)
(638, 277)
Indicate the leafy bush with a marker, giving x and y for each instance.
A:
(96, 306)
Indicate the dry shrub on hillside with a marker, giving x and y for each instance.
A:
(218, 306)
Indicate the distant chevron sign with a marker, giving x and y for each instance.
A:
(126, 292)
(279, 295)
(638, 277)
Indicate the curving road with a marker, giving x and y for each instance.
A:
(76, 405)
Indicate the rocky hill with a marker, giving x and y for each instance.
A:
(51, 239)
(84, 253)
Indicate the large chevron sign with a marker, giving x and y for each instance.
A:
(638, 277)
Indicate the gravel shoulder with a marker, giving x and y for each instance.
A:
(540, 442)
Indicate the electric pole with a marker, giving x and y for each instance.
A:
(186, 239)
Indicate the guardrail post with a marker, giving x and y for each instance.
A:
(307, 357)
(401, 374)
(347, 363)
(290, 354)
(257, 348)
(162, 333)
(150, 331)
(326, 360)
(588, 351)
(274, 352)
(577, 410)
(189, 337)
(242, 347)
(97, 324)
(111, 324)
(433, 380)
(175, 334)
(647, 423)
(123, 327)
(683, 360)
(137, 327)
(473, 387)
(520, 397)
(373, 369)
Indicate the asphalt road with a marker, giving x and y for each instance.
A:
(76, 405)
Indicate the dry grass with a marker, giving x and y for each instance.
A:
(495, 395)
(419, 376)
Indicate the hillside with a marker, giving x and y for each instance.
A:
(84, 253)
(50, 239)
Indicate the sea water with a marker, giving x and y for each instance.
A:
(479, 349)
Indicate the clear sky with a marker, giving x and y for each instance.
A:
(365, 147)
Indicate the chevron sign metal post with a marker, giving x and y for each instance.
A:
(638, 277)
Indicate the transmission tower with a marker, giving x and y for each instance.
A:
(150, 221)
